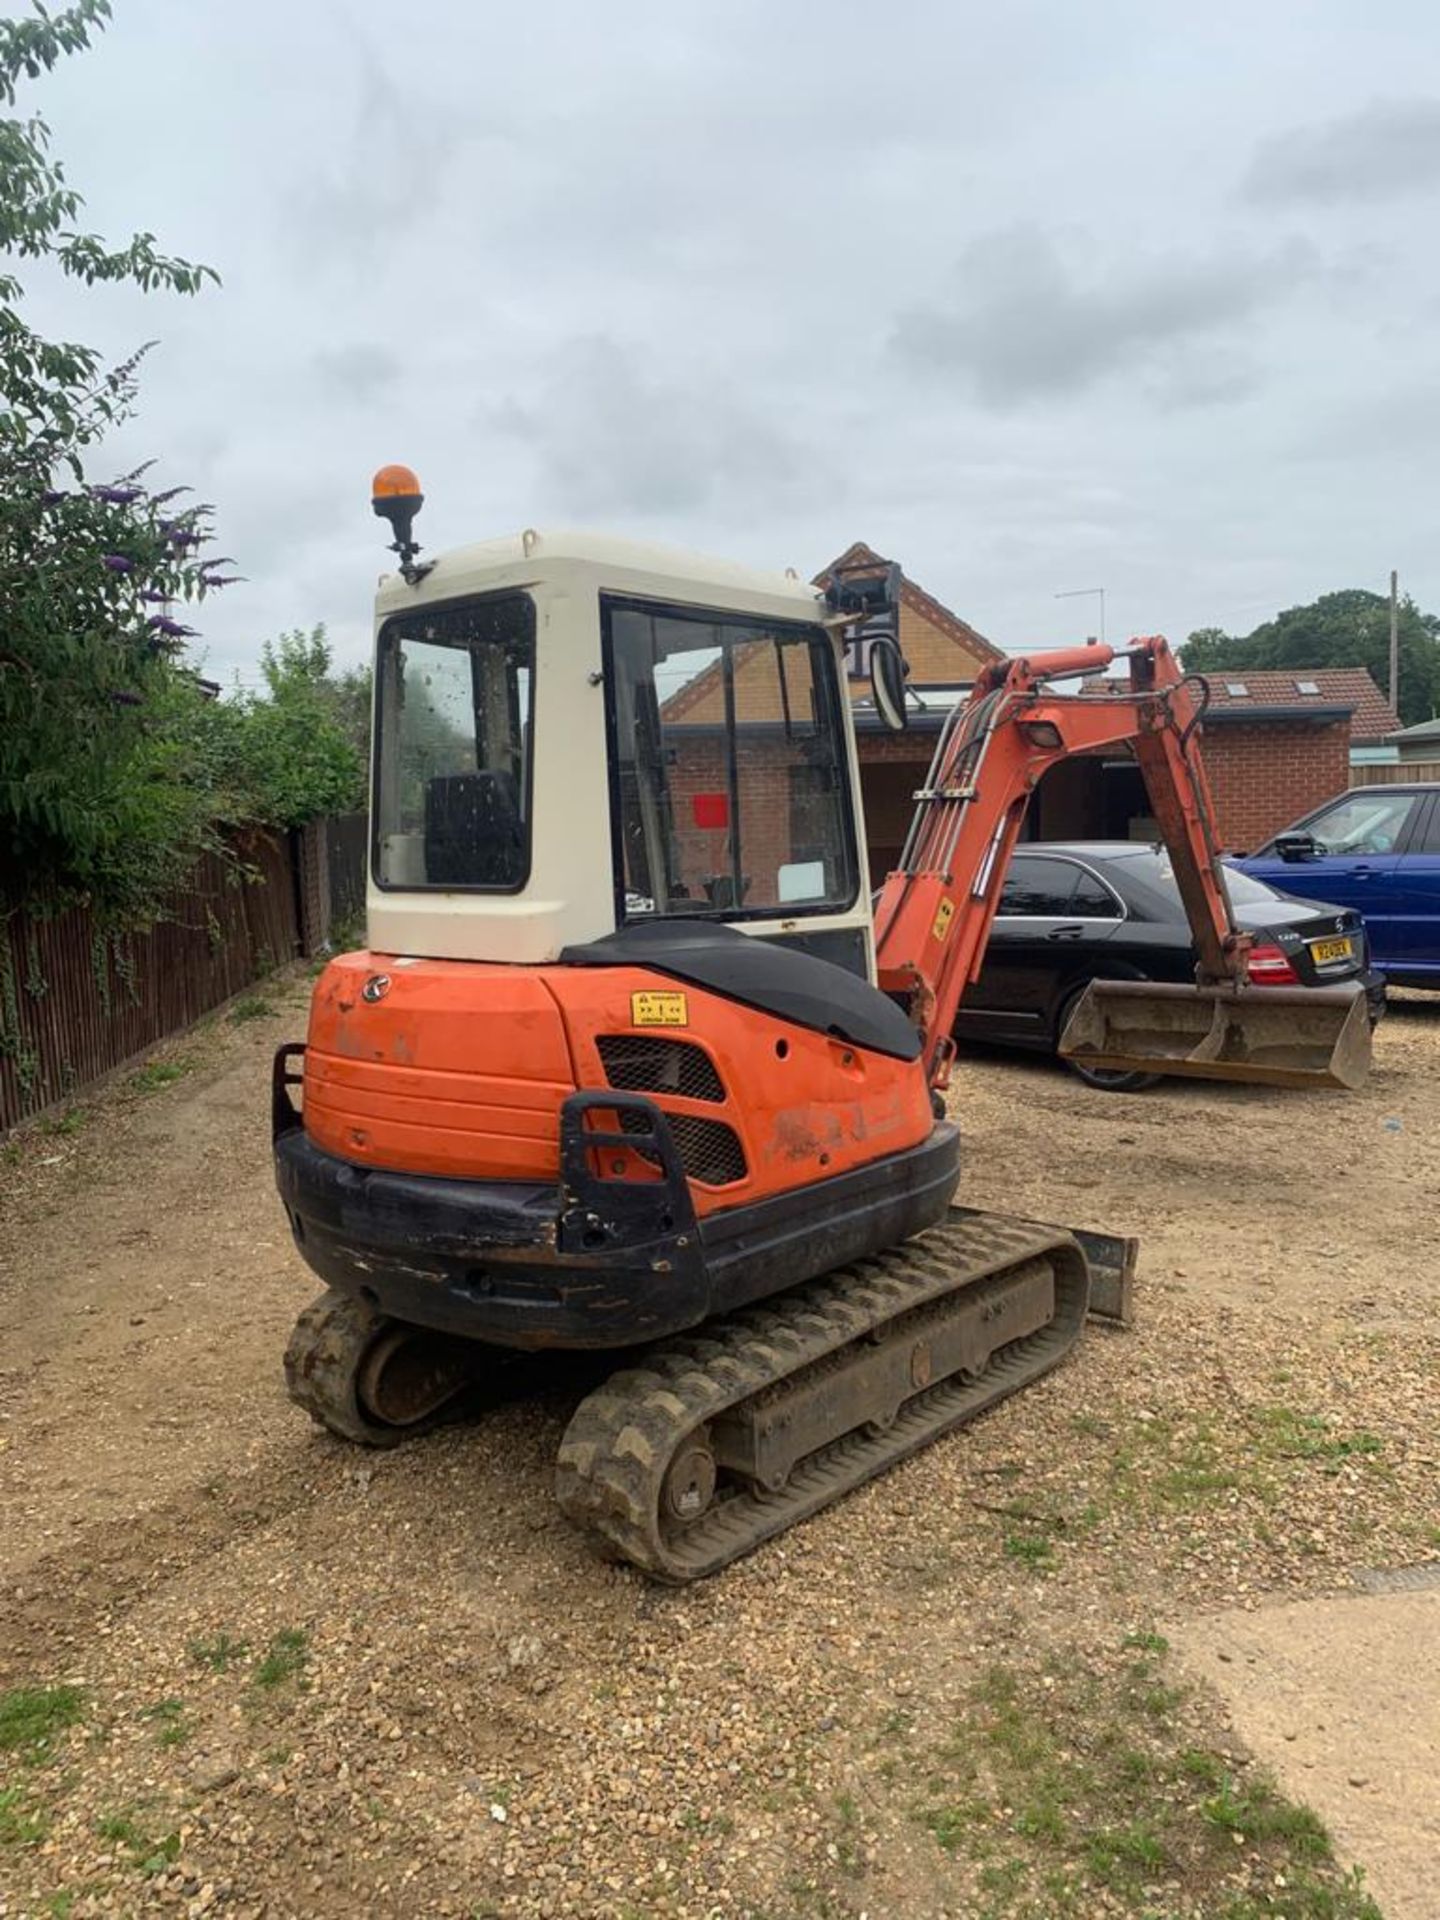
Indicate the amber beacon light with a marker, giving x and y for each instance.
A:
(395, 495)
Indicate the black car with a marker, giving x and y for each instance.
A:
(1075, 911)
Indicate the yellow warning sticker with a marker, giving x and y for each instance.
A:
(942, 920)
(653, 1009)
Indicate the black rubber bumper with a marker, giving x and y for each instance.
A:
(600, 1264)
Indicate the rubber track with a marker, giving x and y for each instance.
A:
(322, 1359)
(613, 1459)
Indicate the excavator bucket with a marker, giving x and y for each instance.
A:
(1271, 1036)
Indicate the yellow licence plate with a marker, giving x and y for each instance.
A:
(1322, 952)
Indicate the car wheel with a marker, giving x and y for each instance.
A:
(1107, 1079)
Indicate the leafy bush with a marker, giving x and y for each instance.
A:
(96, 793)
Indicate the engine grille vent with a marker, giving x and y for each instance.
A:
(641, 1064)
(708, 1149)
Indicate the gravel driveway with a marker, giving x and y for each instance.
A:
(252, 1671)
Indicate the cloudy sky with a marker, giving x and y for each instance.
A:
(1032, 298)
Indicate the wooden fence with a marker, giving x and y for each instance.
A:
(1394, 773)
(77, 1001)
(330, 870)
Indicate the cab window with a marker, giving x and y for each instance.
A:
(728, 743)
(452, 789)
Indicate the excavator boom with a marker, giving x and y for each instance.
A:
(933, 917)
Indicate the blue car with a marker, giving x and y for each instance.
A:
(1376, 849)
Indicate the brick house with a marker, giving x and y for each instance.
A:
(1276, 744)
(1280, 741)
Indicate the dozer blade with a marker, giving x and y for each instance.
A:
(1271, 1036)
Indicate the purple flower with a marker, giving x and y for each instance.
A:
(172, 629)
(117, 563)
(155, 598)
(209, 580)
(50, 498)
(116, 496)
(184, 537)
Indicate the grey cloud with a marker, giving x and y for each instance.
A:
(1022, 326)
(1390, 147)
(609, 437)
(265, 527)
(1208, 379)
(382, 180)
(358, 370)
(1397, 424)
(678, 238)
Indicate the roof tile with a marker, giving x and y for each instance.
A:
(1372, 718)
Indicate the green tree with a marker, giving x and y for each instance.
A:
(349, 694)
(95, 793)
(1346, 629)
(295, 751)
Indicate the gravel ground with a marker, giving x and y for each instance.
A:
(310, 1681)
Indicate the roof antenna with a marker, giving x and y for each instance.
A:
(395, 495)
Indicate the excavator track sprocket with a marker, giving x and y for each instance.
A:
(720, 1440)
(372, 1379)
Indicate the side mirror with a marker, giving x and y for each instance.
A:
(1296, 846)
(887, 683)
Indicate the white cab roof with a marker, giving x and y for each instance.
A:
(634, 566)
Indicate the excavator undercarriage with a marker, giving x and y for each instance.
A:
(703, 1446)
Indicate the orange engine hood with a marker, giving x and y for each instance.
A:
(450, 1067)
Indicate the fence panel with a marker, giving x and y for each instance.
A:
(348, 853)
(310, 849)
(77, 1000)
(1394, 773)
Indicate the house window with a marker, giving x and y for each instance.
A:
(1237, 689)
(1307, 686)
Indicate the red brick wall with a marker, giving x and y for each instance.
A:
(1264, 776)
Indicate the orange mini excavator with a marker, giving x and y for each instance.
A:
(630, 1064)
